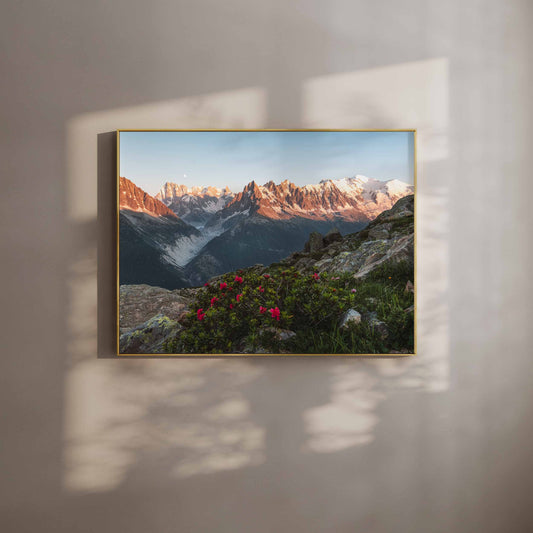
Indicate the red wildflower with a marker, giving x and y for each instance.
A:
(275, 313)
(266, 276)
(262, 309)
(213, 300)
(316, 276)
(206, 284)
(200, 314)
(238, 297)
(223, 285)
(238, 279)
(231, 306)
(260, 289)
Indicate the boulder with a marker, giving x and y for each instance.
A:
(278, 334)
(150, 336)
(315, 243)
(333, 235)
(401, 250)
(379, 232)
(321, 265)
(243, 346)
(377, 325)
(139, 303)
(350, 317)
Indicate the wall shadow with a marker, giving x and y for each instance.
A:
(107, 245)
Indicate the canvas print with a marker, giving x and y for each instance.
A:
(266, 242)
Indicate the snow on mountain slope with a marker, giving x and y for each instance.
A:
(172, 191)
(195, 205)
(352, 199)
(206, 230)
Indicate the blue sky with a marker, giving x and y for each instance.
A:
(234, 159)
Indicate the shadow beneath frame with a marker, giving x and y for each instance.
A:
(106, 267)
(107, 245)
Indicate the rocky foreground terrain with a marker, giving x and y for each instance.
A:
(390, 237)
(150, 317)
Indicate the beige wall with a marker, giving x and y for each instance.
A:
(89, 443)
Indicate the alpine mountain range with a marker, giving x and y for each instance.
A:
(184, 236)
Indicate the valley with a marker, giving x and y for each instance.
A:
(184, 236)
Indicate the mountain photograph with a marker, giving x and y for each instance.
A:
(220, 251)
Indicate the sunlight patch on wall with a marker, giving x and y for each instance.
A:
(242, 108)
(127, 419)
(121, 416)
(405, 96)
(350, 416)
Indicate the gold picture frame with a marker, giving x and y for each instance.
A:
(230, 354)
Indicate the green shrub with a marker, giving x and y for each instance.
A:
(309, 305)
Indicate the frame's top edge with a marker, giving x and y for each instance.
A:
(412, 130)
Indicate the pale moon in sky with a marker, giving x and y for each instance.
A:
(184, 175)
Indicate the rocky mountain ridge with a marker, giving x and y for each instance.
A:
(353, 199)
(389, 238)
(133, 198)
(214, 231)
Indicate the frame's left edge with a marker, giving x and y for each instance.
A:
(415, 244)
(117, 222)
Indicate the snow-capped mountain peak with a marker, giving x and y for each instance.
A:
(355, 198)
(195, 205)
(170, 192)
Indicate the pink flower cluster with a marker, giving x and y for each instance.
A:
(275, 313)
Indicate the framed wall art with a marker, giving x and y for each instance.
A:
(266, 242)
